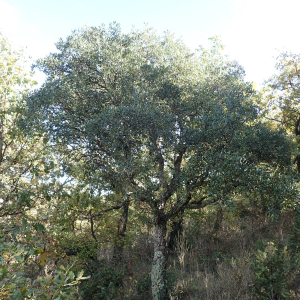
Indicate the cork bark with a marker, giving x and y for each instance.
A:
(158, 272)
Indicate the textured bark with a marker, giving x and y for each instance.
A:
(119, 244)
(158, 272)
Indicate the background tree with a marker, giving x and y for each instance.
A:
(282, 98)
(169, 128)
(25, 163)
(18, 155)
(83, 198)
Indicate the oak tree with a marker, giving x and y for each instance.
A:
(167, 127)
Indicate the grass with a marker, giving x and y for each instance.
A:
(212, 259)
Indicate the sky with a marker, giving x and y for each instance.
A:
(253, 31)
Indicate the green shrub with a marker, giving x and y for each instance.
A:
(271, 266)
(144, 288)
(104, 283)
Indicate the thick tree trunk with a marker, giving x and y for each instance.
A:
(158, 272)
(119, 243)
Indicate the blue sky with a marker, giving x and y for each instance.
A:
(252, 31)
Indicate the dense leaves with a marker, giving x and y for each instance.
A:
(20, 156)
(132, 133)
(167, 127)
(282, 96)
(25, 164)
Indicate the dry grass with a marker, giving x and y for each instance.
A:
(209, 262)
(217, 265)
(212, 278)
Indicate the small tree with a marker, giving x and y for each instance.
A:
(24, 164)
(167, 127)
(18, 154)
(282, 94)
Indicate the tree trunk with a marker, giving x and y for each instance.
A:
(297, 133)
(298, 162)
(1, 141)
(119, 243)
(158, 272)
(174, 235)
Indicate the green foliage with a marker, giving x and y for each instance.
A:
(149, 120)
(271, 267)
(144, 287)
(276, 266)
(281, 98)
(15, 284)
(25, 166)
(84, 250)
(294, 239)
(158, 122)
(61, 285)
(19, 155)
(105, 282)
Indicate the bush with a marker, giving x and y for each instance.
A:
(271, 267)
(104, 282)
(144, 288)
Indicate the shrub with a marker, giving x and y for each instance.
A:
(271, 267)
(104, 282)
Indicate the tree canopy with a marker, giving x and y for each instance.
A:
(282, 95)
(167, 127)
(24, 166)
